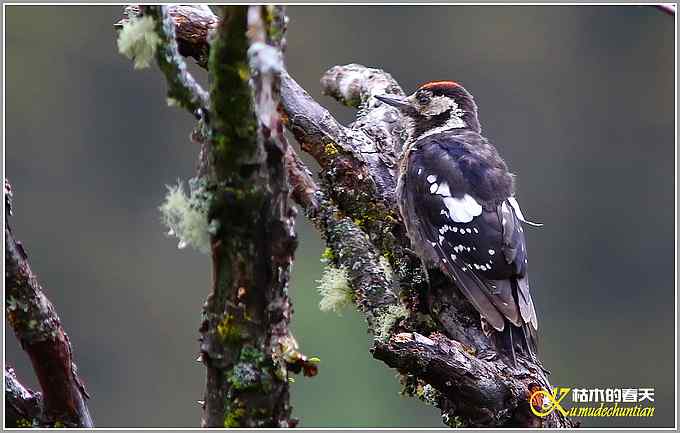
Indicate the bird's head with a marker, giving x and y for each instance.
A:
(436, 106)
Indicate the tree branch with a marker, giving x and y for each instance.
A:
(23, 407)
(355, 252)
(182, 86)
(193, 24)
(477, 392)
(37, 326)
(182, 30)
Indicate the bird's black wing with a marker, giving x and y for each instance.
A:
(479, 243)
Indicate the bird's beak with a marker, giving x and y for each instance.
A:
(400, 102)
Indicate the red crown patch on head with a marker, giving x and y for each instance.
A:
(440, 85)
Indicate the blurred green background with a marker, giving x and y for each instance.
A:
(579, 100)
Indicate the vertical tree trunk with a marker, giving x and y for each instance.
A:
(245, 335)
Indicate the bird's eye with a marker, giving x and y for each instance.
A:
(423, 99)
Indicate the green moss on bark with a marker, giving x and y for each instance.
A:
(233, 119)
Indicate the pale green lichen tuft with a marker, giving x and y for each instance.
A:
(327, 256)
(244, 376)
(335, 290)
(386, 267)
(453, 421)
(388, 319)
(428, 394)
(138, 41)
(186, 217)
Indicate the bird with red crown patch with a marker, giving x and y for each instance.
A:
(456, 197)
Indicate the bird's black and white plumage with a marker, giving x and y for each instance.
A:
(456, 197)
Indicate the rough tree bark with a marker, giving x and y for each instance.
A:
(427, 332)
(38, 328)
(245, 344)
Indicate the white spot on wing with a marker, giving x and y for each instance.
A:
(492, 252)
(464, 209)
(433, 188)
(443, 190)
(420, 170)
(431, 178)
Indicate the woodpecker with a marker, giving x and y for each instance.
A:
(456, 198)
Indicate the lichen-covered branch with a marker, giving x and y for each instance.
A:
(472, 391)
(182, 87)
(353, 251)
(23, 407)
(356, 173)
(192, 23)
(149, 31)
(37, 326)
(305, 190)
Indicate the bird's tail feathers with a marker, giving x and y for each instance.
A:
(517, 341)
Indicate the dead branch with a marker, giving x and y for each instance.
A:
(23, 407)
(37, 326)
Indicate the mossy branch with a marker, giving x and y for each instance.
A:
(183, 90)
